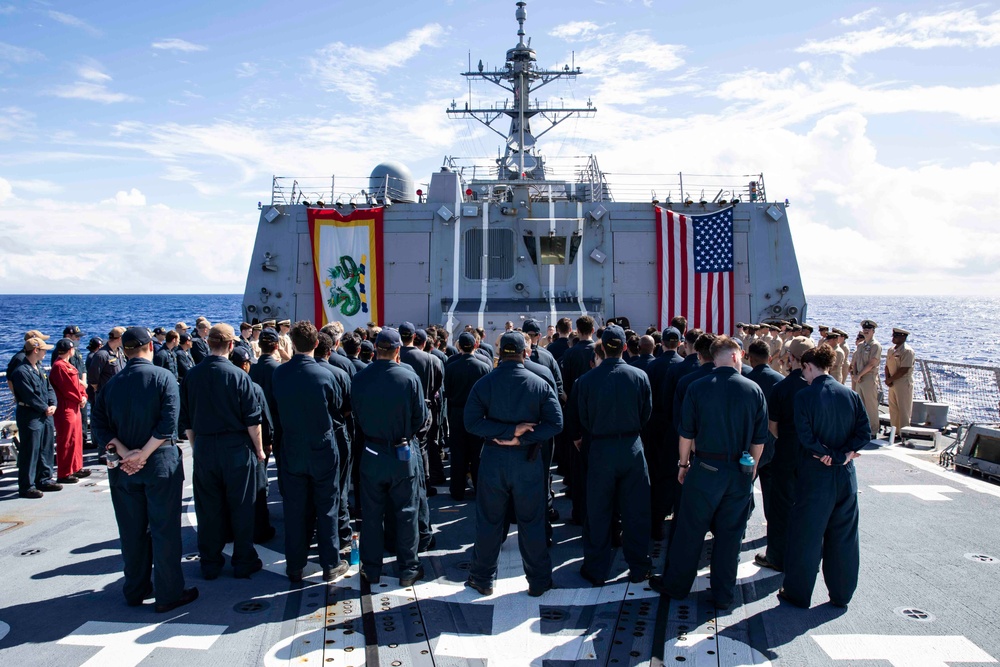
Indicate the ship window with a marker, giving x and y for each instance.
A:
(575, 242)
(529, 244)
(500, 250)
(553, 249)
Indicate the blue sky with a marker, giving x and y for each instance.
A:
(136, 140)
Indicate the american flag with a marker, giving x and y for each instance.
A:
(695, 258)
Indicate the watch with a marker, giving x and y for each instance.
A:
(683, 465)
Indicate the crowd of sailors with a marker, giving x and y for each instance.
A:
(661, 430)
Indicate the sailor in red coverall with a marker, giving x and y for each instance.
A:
(71, 396)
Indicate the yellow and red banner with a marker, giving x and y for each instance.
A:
(347, 263)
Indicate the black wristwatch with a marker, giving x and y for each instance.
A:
(683, 465)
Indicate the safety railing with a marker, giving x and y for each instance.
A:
(333, 190)
(972, 392)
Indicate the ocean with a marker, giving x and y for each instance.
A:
(957, 329)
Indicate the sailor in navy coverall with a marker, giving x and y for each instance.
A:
(515, 411)
(613, 404)
(464, 370)
(136, 411)
(36, 403)
(724, 414)
(311, 408)
(777, 476)
(344, 428)
(389, 405)
(832, 426)
(221, 416)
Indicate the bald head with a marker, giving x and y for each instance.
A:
(646, 345)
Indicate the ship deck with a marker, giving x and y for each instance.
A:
(930, 565)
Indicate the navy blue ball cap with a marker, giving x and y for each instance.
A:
(466, 341)
(531, 327)
(388, 339)
(64, 345)
(366, 346)
(268, 335)
(512, 343)
(185, 337)
(405, 329)
(671, 333)
(613, 338)
(136, 337)
(72, 330)
(240, 355)
(96, 341)
(159, 331)
(420, 336)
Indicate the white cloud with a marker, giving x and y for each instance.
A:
(18, 54)
(950, 28)
(351, 69)
(15, 122)
(74, 22)
(92, 92)
(629, 67)
(174, 44)
(131, 198)
(92, 86)
(246, 70)
(860, 17)
(92, 73)
(575, 30)
(37, 186)
(7, 9)
(5, 190)
(160, 255)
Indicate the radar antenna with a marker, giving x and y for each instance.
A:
(521, 77)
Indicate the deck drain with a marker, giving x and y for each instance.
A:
(32, 552)
(915, 614)
(250, 606)
(553, 614)
(982, 558)
(191, 557)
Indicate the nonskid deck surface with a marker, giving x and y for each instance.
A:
(930, 571)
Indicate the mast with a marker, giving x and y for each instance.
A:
(521, 77)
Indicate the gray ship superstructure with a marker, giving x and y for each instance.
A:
(520, 235)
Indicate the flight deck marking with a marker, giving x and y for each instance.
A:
(274, 561)
(903, 650)
(516, 638)
(921, 491)
(128, 644)
(950, 475)
(4, 629)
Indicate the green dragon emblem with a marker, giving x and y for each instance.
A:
(345, 287)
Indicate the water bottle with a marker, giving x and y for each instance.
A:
(746, 463)
(355, 552)
(112, 456)
(403, 451)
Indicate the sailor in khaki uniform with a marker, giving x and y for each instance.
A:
(774, 345)
(864, 369)
(899, 379)
(284, 341)
(842, 344)
(839, 361)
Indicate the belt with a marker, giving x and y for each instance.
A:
(616, 436)
(712, 456)
(383, 441)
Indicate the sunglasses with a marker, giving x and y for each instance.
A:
(868, 328)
